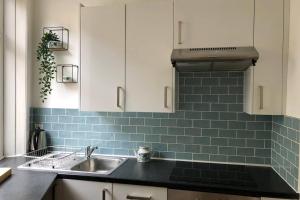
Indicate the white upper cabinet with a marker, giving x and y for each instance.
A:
(103, 58)
(264, 82)
(213, 23)
(149, 44)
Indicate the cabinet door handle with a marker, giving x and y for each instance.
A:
(104, 193)
(118, 96)
(261, 97)
(138, 197)
(166, 97)
(179, 32)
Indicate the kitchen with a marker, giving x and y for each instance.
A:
(150, 99)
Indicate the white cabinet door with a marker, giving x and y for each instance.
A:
(82, 190)
(122, 192)
(149, 44)
(103, 58)
(264, 82)
(213, 23)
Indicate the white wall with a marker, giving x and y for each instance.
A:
(293, 74)
(60, 13)
(57, 13)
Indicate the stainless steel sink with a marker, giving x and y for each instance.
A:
(97, 164)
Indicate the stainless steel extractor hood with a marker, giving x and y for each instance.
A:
(214, 59)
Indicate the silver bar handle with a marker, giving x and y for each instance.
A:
(179, 32)
(103, 193)
(138, 197)
(118, 96)
(261, 97)
(166, 97)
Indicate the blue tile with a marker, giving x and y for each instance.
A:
(152, 138)
(219, 107)
(219, 124)
(175, 131)
(44, 111)
(72, 112)
(129, 129)
(193, 115)
(168, 139)
(78, 120)
(152, 122)
(168, 122)
(184, 123)
(227, 133)
(144, 129)
(122, 121)
(210, 115)
(159, 147)
(184, 140)
(228, 116)
(219, 141)
(137, 137)
(201, 140)
(218, 158)
(159, 130)
(193, 131)
(227, 151)
(169, 155)
(184, 156)
(176, 147)
(201, 157)
(237, 125)
(245, 151)
(129, 114)
(58, 111)
(92, 120)
(201, 90)
(192, 149)
(209, 149)
(52, 119)
(137, 121)
(201, 123)
(227, 98)
(201, 107)
(65, 119)
(210, 98)
(219, 90)
(210, 132)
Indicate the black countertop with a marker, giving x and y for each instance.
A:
(216, 178)
(24, 185)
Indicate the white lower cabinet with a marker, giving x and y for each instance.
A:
(67, 189)
(136, 192)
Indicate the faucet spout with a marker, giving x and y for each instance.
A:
(89, 150)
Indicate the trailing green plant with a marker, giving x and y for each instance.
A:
(47, 68)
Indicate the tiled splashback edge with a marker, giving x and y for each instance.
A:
(285, 148)
(171, 136)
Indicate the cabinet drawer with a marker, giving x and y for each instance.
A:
(188, 195)
(135, 192)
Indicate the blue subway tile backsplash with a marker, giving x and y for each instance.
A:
(285, 148)
(208, 125)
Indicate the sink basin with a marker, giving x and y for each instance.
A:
(101, 165)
